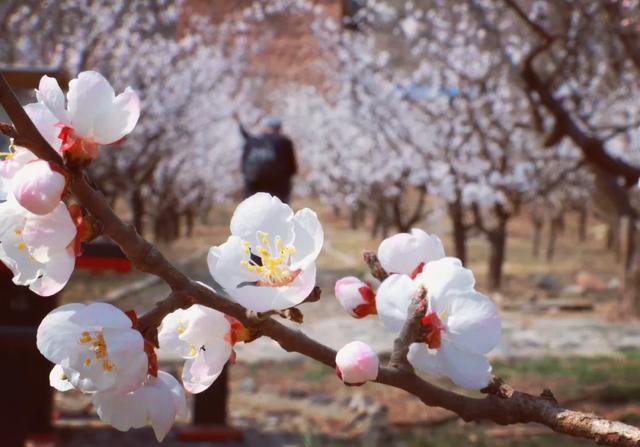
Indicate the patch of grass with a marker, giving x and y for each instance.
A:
(316, 372)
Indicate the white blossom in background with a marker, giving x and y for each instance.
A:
(407, 252)
(92, 114)
(268, 262)
(462, 324)
(158, 402)
(355, 296)
(95, 346)
(357, 363)
(201, 335)
(38, 249)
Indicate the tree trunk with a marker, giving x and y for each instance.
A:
(631, 278)
(538, 225)
(456, 214)
(582, 224)
(189, 219)
(497, 250)
(613, 237)
(554, 228)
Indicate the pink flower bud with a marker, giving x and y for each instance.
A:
(357, 297)
(38, 187)
(356, 363)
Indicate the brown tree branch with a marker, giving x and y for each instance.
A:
(412, 332)
(375, 267)
(518, 408)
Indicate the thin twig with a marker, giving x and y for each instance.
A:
(375, 267)
(411, 332)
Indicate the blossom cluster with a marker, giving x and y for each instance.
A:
(266, 264)
(98, 350)
(39, 234)
(460, 325)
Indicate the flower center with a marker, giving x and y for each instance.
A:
(271, 262)
(98, 347)
(433, 326)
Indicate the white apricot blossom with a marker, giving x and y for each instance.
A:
(461, 324)
(92, 114)
(408, 252)
(201, 335)
(268, 262)
(357, 363)
(355, 296)
(38, 249)
(158, 402)
(94, 346)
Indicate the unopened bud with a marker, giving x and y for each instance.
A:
(38, 187)
(357, 297)
(357, 363)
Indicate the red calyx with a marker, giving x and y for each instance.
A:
(434, 327)
(369, 306)
(417, 270)
(83, 227)
(237, 332)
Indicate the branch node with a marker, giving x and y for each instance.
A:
(497, 387)
(412, 332)
(375, 266)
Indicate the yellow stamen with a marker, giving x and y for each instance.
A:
(21, 246)
(87, 361)
(86, 337)
(18, 231)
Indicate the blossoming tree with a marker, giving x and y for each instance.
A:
(265, 269)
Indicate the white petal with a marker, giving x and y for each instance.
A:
(18, 160)
(444, 275)
(55, 273)
(295, 292)
(403, 252)
(465, 369)
(49, 233)
(393, 299)
(126, 352)
(58, 379)
(474, 323)
(177, 391)
(200, 372)
(169, 338)
(427, 360)
(50, 95)
(309, 238)
(46, 123)
(153, 403)
(56, 331)
(90, 94)
(266, 213)
(102, 315)
(204, 326)
(15, 255)
(117, 121)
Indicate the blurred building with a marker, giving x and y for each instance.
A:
(289, 50)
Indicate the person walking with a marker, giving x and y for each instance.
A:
(268, 159)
